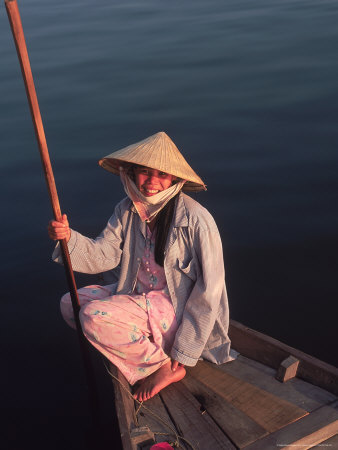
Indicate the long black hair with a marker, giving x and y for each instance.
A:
(163, 222)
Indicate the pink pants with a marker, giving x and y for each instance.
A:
(135, 332)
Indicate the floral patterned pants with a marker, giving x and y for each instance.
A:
(135, 332)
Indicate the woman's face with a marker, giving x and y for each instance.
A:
(151, 181)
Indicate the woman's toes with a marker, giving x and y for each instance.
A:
(137, 395)
(152, 393)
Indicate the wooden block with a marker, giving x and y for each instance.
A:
(296, 391)
(192, 423)
(287, 369)
(305, 433)
(240, 428)
(142, 436)
(268, 410)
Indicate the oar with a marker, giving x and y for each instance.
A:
(19, 39)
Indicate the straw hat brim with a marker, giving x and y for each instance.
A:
(156, 152)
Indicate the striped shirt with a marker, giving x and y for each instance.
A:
(193, 266)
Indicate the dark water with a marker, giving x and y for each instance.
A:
(249, 93)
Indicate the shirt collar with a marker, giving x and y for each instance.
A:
(181, 217)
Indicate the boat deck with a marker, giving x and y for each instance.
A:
(237, 405)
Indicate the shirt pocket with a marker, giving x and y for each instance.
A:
(188, 268)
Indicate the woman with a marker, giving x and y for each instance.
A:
(169, 307)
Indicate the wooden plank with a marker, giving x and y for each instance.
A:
(329, 444)
(268, 410)
(124, 405)
(192, 423)
(307, 432)
(296, 391)
(145, 418)
(270, 351)
(240, 428)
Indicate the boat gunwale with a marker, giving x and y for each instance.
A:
(249, 343)
(272, 352)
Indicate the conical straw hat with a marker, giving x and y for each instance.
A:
(157, 152)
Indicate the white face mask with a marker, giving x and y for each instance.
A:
(148, 207)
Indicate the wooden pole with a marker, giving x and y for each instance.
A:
(19, 39)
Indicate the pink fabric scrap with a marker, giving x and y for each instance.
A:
(161, 445)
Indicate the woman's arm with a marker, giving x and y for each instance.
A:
(203, 305)
(95, 255)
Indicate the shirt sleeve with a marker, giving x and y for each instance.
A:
(202, 306)
(95, 255)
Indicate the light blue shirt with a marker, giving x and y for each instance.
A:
(193, 266)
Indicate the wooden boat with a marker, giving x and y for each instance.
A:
(271, 396)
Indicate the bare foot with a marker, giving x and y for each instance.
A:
(157, 381)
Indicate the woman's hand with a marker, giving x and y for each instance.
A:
(175, 364)
(59, 230)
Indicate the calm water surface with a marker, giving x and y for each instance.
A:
(248, 91)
